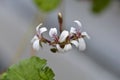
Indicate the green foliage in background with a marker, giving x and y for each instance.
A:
(33, 68)
(47, 5)
(99, 5)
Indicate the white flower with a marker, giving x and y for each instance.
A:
(35, 40)
(74, 30)
(80, 42)
(62, 38)
(77, 31)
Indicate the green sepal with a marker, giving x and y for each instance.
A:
(54, 50)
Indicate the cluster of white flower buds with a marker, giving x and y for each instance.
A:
(62, 42)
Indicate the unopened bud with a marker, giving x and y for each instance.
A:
(60, 19)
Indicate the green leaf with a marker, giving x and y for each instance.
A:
(47, 5)
(33, 68)
(99, 5)
(3, 76)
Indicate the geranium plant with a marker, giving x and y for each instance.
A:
(34, 68)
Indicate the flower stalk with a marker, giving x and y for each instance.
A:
(60, 21)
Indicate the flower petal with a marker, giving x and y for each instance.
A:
(36, 45)
(37, 28)
(43, 29)
(85, 34)
(34, 38)
(59, 48)
(78, 23)
(82, 44)
(52, 32)
(63, 36)
(74, 42)
(67, 47)
(73, 30)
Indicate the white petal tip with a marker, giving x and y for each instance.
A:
(36, 45)
(52, 32)
(78, 23)
(43, 29)
(85, 34)
(37, 28)
(82, 44)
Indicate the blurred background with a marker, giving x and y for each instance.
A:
(99, 18)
